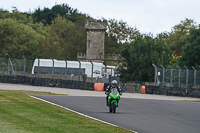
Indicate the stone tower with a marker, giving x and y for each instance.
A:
(95, 40)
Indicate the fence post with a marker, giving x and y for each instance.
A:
(92, 72)
(171, 75)
(163, 74)
(24, 65)
(105, 64)
(38, 67)
(52, 68)
(111, 75)
(65, 70)
(155, 74)
(8, 64)
(195, 75)
(79, 73)
(179, 76)
(186, 78)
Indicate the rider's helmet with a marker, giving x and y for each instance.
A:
(114, 83)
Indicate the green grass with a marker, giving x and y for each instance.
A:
(20, 113)
(191, 100)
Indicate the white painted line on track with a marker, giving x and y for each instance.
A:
(79, 113)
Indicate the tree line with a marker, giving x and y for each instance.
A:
(59, 33)
(180, 47)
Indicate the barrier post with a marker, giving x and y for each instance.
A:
(155, 74)
(111, 76)
(171, 75)
(8, 64)
(179, 76)
(195, 75)
(186, 78)
(52, 68)
(38, 67)
(24, 73)
(105, 64)
(79, 73)
(65, 70)
(92, 72)
(163, 75)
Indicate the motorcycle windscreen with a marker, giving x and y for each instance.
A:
(114, 91)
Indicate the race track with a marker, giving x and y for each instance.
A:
(140, 115)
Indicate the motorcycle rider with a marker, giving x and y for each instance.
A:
(113, 85)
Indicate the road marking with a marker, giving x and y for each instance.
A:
(80, 113)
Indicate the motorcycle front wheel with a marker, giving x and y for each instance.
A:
(110, 109)
(113, 107)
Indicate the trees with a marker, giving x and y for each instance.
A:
(57, 33)
(122, 31)
(177, 38)
(63, 32)
(16, 15)
(60, 33)
(64, 39)
(191, 50)
(111, 45)
(18, 39)
(66, 35)
(46, 16)
(139, 56)
(118, 32)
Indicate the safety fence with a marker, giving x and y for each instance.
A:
(178, 81)
(23, 71)
(180, 77)
(16, 66)
(24, 67)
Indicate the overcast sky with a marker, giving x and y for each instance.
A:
(153, 16)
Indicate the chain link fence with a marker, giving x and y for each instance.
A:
(181, 77)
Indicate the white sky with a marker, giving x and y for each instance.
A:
(153, 16)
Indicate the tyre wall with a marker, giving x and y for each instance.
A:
(173, 91)
(72, 84)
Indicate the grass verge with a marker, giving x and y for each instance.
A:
(20, 113)
(191, 100)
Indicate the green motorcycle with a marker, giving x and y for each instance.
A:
(113, 100)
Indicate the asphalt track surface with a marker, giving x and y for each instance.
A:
(140, 115)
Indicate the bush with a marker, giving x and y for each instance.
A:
(84, 77)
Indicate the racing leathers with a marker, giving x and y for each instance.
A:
(107, 92)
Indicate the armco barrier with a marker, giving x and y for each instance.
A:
(173, 91)
(46, 82)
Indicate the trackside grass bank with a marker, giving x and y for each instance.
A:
(20, 113)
